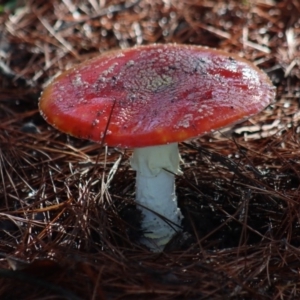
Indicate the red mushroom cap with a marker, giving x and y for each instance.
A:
(156, 94)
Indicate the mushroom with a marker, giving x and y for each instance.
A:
(149, 98)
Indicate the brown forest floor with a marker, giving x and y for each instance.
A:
(65, 235)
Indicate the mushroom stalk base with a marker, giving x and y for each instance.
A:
(155, 193)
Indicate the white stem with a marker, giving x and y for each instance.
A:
(155, 192)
